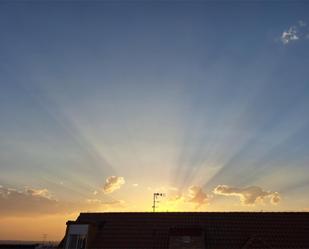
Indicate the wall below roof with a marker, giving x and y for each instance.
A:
(186, 242)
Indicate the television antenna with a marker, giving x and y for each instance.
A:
(44, 236)
(155, 201)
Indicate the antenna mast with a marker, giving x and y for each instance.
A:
(155, 201)
(44, 238)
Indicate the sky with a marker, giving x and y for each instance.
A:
(103, 103)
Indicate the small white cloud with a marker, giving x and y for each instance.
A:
(95, 192)
(135, 185)
(290, 35)
(113, 183)
(294, 33)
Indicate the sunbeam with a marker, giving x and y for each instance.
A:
(104, 104)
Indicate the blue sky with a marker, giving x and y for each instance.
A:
(169, 93)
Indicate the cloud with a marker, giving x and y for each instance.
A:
(294, 33)
(44, 193)
(197, 196)
(248, 195)
(135, 185)
(302, 23)
(290, 35)
(177, 200)
(275, 198)
(113, 183)
(34, 202)
(112, 203)
(27, 201)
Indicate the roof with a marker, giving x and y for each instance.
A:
(219, 229)
(19, 246)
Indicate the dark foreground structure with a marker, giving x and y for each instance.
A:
(19, 246)
(207, 230)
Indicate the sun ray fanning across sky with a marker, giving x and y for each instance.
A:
(104, 103)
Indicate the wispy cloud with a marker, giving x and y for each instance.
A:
(113, 203)
(302, 23)
(248, 195)
(113, 183)
(34, 202)
(44, 193)
(28, 201)
(294, 33)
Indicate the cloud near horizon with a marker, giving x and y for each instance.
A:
(194, 195)
(248, 195)
(34, 202)
(112, 184)
(197, 196)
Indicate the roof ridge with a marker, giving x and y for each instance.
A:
(254, 238)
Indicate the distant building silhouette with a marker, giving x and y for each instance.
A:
(184, 230)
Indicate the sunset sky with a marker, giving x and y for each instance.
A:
(104, 103)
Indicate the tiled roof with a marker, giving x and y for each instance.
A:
(221, 230)
(256, 242)
(18, 246)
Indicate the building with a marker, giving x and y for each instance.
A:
(27, 245)
(19, 246)
(196, 230)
